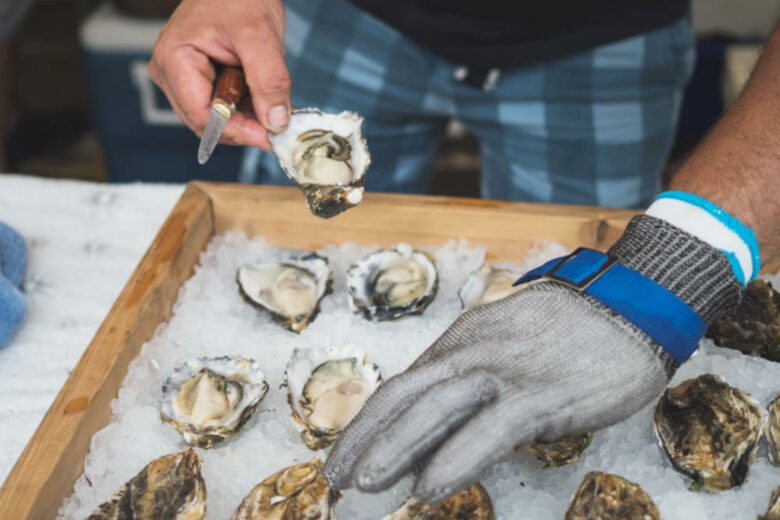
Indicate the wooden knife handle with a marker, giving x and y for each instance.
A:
(231, 85)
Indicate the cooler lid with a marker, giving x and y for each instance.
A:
(107, 29)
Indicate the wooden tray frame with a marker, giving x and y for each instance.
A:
(54, 458)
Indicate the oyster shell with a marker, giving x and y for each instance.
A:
(391, 283)
(168, 488)
(772, 431)
(472, 503)
(754, 326)
(326, 389)
(773, 511)
(558, 453)
(603, 496)
(486, 285)
(326, 156)
(209, 399)
(290, 292)
(298, 492)
(709, 431)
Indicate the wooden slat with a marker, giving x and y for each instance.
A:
(54, 457)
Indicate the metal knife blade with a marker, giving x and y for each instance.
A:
(218, 119)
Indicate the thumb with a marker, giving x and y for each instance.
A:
(262, 56)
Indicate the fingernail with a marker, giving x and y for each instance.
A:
(278, 118)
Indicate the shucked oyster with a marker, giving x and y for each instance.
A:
(298, 492)
(326, 389)
(168, 488)
(603, 496)
(772, 431)
(709, 431)
(326, 156)
(773, 511)
(209, 399)
(486, 285)
(558, 453)
(472, 503)
(290, 292)
(754, 326)
(391, 283)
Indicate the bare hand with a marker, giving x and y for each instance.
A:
(247, 33)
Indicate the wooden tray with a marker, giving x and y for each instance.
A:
(53, 459)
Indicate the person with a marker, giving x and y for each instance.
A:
(594, 337)
(573, 102)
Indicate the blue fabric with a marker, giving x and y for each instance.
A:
(655, 310)
(745, 233)
(594, 128)
(13, 263)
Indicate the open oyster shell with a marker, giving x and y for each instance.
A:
(391, 283)
(709, 431)
(290, 292)
(326, 156)
(486, 285)
(472, 503)
(558, 453)
(772, 431)
(773, 511)
(168, 488)
(603, 496)
(209, 399)
(326, 388)
(298, 492)
(754, 326)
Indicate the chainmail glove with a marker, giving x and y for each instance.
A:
(544, 363)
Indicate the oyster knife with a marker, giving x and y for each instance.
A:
(228, 91)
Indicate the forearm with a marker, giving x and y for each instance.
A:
(738, 165)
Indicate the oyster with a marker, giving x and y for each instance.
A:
(709, 431)
(326, 389)
(754, 326)
(603, 496)
(326, 156)
(773, 511)
(298, 492)
(168, 488)
(472, 503)
(772, 431)
(290, 292)
(391, 283)
(209, 399)
(558, 453)
(486, 285)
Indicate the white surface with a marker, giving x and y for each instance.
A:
(84, 241)
(739, 18)
(108, 30)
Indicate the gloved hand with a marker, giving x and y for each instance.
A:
(546, 362)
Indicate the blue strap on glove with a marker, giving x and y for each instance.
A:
(652, 308)
(13, 263)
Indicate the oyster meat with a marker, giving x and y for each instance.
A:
(772, 431)
(709, 431)
(326, 156)
(290, 292)
(326, 388)
(603, 496)
(754, 326)
(486, 285)
(391, 283)
(298, 492)
(168, 488)
(209, 399)
(558, 453)
(472, 503)
(773, 511)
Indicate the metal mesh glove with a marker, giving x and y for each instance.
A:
(544, 363)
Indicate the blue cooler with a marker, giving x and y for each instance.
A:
(142, 137)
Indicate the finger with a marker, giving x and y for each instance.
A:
(483, 441)
(244, 129)
(435, 415)
(262, 56)
(389, 401)
(187, 79)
